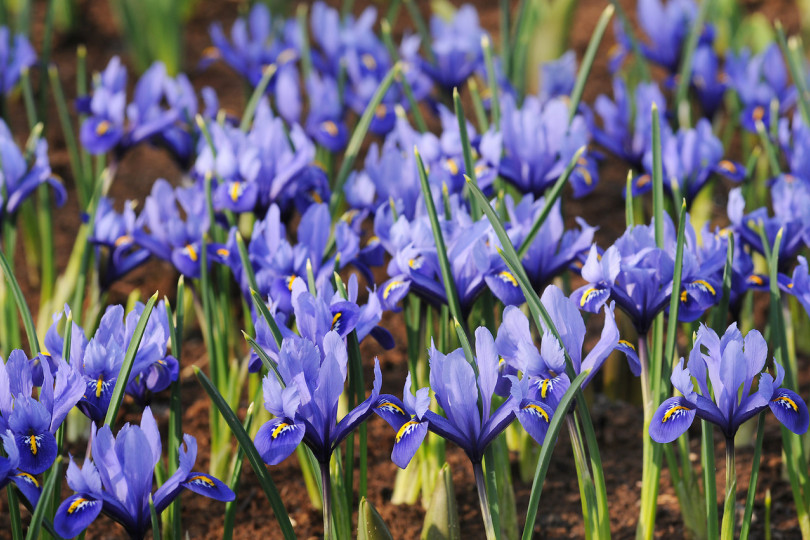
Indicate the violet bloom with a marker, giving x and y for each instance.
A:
(34, 422)
(536, 143)
(457, 390)
(545, 369)
(113, 235)
(557, 78)
(758, 80)
(10, 472)
(689, 157)
(172, 235)
(16, 54)
(22, 175)
(118, 482)
(553, 250)
(99, 359)
(708, 81)
(637, 274)
(732, 363)
(456, 46)
(626, 121)
(305, 400)
(790, 198)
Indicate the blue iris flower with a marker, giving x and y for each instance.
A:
(553, 250)
(790, 197)
(456, 46)
(33, 422)
(536, 143)
(99, 359)
(458, 390)
(758, 80)
(118, 481)
(708, 81)
(113, 232)
(689, 157)
(545, 368)
(731, 363)
(20, 177)
(172, 235)
(10, 472)
(257, 43)
(637, 275)
(626, 121)
(557, 78)
(305, 400)
(16, 54)
(414, 264)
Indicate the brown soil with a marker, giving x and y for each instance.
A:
(618, 424)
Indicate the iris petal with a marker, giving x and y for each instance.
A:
(204, 484)
(535, 416)
(672, 418)
(37, 451)
(75, 514)
(277, 438)
(790, 409)
(409, 436)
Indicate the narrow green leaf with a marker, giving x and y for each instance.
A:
(25, 313)
(545, 452)
(252, 454)
(268, 317)
(687, 59)
(250, 109)
(795, 61)
(629, 213)
(444, 264)
(54, 477)
(370, 524)
(657, 178)
(492, 79)
(418, 119)
(266, 360)
(129, 359)
(306, 52)
(721, 311)
(675, 300)
(155, 520)
(587, 61)
(752, 481)
(469, 164)
(551, 198)
(358, 135)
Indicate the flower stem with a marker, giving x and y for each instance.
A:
(727, 527)
(480, 482)
(326, 490)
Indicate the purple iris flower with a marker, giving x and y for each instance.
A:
(456, 46)
(305, 400)
(118, 482)
(161, 109)
(637, 275)
(113, 233)
(34, 422)
(689, 157)
(708, 81)
(414, 264)
(172, 235)
(257, 43)
(794, 140)
(325, 120)
(457, 390)
(743, 276)
(10, 472)
(545, 369)
(21, 176)
(732, 363)
(535, 144)
(557, 78)
(98, 360)
(16, 53)
(667, 26)
(627, 126)
(758, 80)
(553, 250)
(790, 198)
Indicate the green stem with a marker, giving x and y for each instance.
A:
(483, 499)
(326, 490)
(727, 528)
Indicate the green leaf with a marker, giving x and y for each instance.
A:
(370, 524)
(684, 77)
(250, 109)
(25, 313)
(545, 453)
(268, 317)
(674, 301)
(252, 454)
(54, 476)
(469, 164)
(155, 520)
(129, 359)
(587, 61)
(441, 518)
